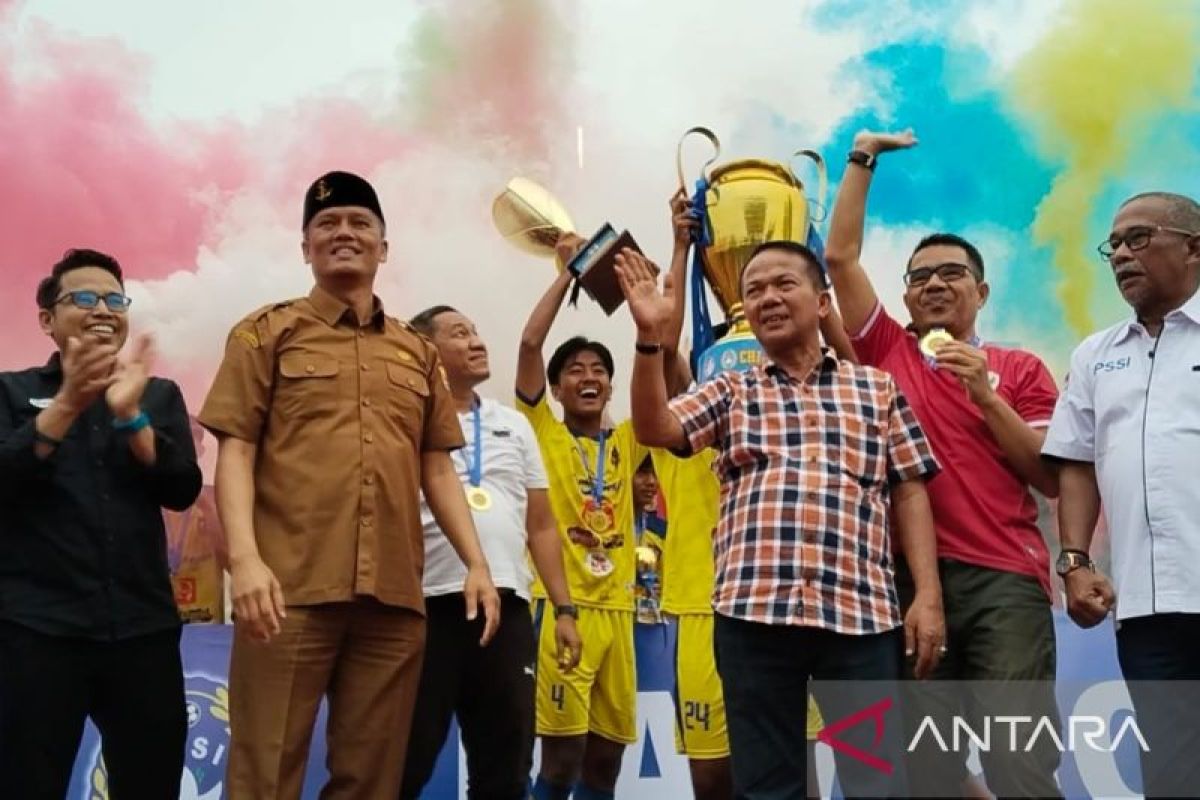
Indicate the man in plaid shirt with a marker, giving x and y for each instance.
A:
(815, 455)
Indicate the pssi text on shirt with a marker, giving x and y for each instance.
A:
(1114, 365)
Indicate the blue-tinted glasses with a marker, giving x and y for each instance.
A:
(84, 298)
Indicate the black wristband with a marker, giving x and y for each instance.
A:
(862, 158)
(566, 610)
(38, 436)
(647, 349)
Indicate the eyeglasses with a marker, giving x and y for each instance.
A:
(950, 271)
(85, 298)
(1136, 238)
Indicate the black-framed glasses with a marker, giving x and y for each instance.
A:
(1136, 238)
(85, 298)
(948, 272)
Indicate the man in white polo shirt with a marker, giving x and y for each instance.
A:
(1127, 433)
(490, 689)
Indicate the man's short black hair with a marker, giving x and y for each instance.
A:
(814, 268)
(423, 322)
(572, 347)
(77, 258)
(952, 240)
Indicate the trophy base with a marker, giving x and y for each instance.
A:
(594, 266)
(737, 350)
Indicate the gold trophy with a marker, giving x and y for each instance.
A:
(745, 203)
(528, 216)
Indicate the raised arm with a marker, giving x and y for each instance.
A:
(856, 296)
(653, 423)
(675, 366)
(531, 368)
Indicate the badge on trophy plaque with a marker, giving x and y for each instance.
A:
(740, 205)
(527, 215)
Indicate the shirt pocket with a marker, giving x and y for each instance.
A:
(407, 396)
(863, 451)
(308, 385)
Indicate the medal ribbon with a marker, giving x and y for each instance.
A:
(475, 463)
(597, 477)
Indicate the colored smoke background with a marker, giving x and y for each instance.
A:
(181, 138)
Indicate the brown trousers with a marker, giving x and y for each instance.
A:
(366, 657)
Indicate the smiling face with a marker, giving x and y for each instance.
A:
(344, 243)
(583, 385)
(463, 353)
(64, 319)
(782, 302)
(1162, 275)
(952, 303)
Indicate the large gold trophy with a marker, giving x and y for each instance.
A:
(740, 204)
(528, 216)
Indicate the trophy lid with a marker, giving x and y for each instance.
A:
(527, 215)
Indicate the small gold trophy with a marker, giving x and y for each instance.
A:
(527, 215)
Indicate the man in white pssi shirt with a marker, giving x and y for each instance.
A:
(490, 689)
(1127, 434)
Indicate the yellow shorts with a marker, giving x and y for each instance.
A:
(700, 730)
(598, 696)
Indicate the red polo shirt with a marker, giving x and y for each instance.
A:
(983, 511)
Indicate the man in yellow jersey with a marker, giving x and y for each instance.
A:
(587, 716)
(692, 495)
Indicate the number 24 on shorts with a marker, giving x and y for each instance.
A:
(695, 715)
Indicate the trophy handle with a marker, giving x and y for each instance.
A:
(822, 178)
(712, 139)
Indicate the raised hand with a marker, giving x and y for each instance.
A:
(877, 142)
(683, 223)
(651, 309)
(87, 366)
(124, 393)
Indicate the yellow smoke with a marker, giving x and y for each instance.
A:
(1091, 85)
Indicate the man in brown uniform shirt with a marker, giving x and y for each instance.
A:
(331, 417)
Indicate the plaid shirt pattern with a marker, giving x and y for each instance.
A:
(805, 469)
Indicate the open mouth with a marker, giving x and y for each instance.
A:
(345, 251)
(1125, 276)
(589, 393)
(101, 330)
(773, 318)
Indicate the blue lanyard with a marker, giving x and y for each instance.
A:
(598, 475)
(475, 463)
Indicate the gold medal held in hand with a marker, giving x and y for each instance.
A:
(935, 338)
(479, 498)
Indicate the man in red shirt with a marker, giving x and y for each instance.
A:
(985, 410)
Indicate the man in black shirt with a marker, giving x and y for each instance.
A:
(91, 449)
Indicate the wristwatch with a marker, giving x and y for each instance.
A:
(862, 158)
(566, 610)
(1070, 560)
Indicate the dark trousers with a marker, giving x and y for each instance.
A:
(133, 691)
(1160, 660)
(1000, 660)
(490, 691)
(765, 671)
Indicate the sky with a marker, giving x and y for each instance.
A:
(181, 139)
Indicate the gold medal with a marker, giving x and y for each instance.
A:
(598, 517)
(934, 339)
(478, 498)
(647, 557)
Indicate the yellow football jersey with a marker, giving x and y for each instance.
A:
(598, 539)
(693, 497)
